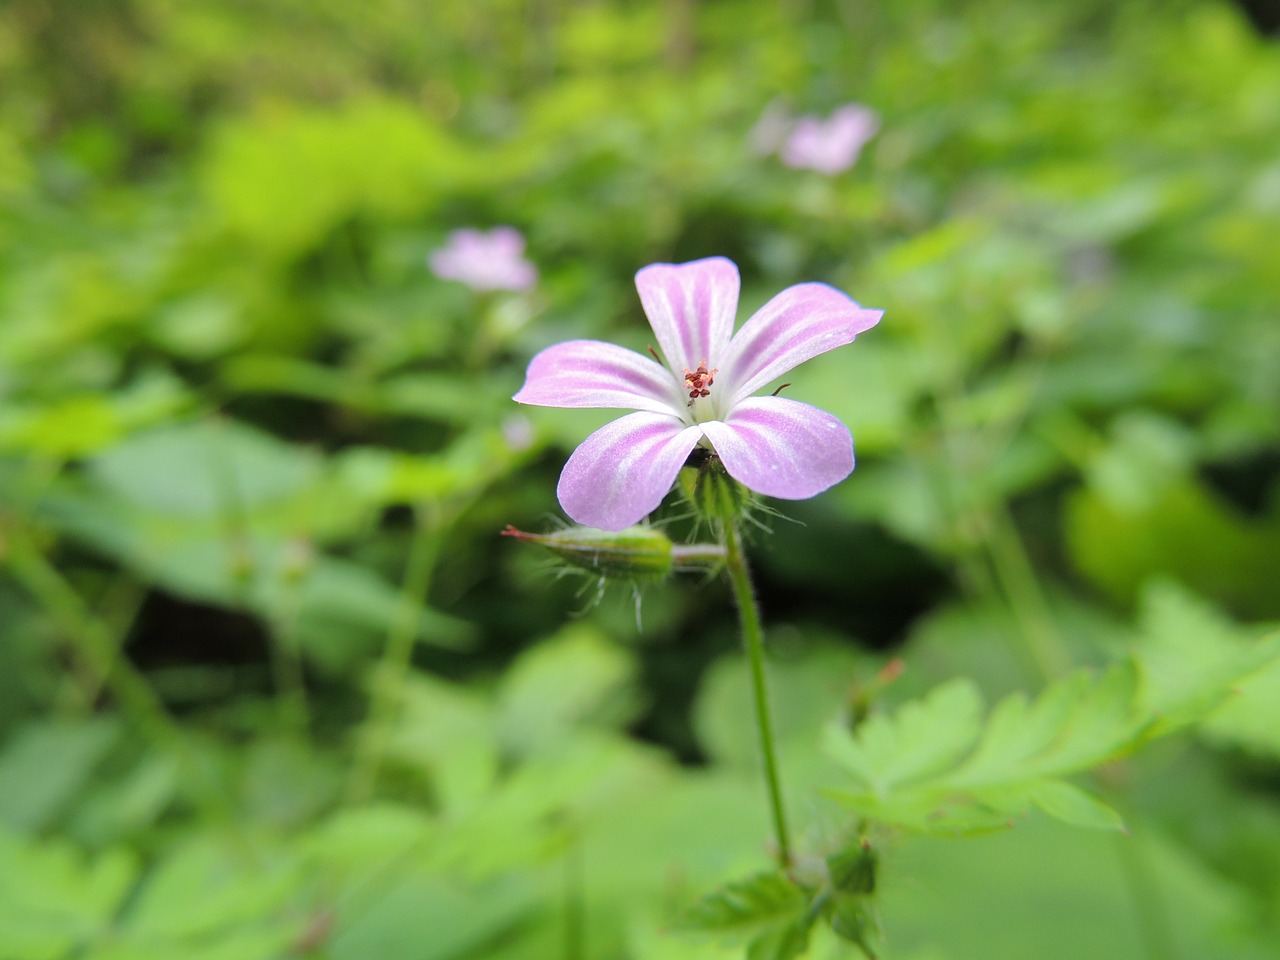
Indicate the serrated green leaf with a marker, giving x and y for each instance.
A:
(1068, 803)
(853, 918)
(785, 943)
(1026, 748)
(922, 738)
(1194, 657)
(742, 908)
(1250, 716)
(1075, 724)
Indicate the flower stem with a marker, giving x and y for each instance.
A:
(391, 673)
(753, 640)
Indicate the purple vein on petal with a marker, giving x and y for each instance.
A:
(782, 448)
(798, 324)
(691, 307)
(620, 473)
(592, 373)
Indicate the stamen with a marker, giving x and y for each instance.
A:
(780, 389)
(654, 354)
(698, 381)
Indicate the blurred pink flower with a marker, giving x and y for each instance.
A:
(775, 446)
(830, 146)
(485, 261)
(518, 433)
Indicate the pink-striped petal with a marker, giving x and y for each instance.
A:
(782, 448)
(796, 325)
(621, 472)
(592, 373)
(691, 307)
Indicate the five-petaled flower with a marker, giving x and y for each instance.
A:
(485, 261)
(773, 445)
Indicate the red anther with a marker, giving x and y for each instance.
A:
(697, 381)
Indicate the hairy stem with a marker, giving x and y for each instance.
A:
(753, 640)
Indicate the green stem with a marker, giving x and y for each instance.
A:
(753, 639)
(1144, 887)
(1025, 597)
(695, 556)
(286, 664)
(389, 677)
(574, 902)
(93, 645)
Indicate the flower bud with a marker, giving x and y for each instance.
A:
(717, 496)
(854, 870)
(634, 552)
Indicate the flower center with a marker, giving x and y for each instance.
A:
(698, 382)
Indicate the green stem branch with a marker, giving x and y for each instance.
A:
(753, 640)
(390, 674)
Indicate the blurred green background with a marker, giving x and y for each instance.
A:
(271, 684)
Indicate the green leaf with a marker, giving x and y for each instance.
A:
(53, 898)
(416, 915)
(45, 764)
(921, 738)
(1001, 897)
(282, 179)
(744, 907)
(576, 677)
(1250, 716)
(1068, 803)
(265, 561)
(930, 767)
(785, 943)
(206, 468)
(444, 735)
(368, 837)
(854, 918)
(1076, 724)
(1194, 657)
(1184, 531)
(204, 893)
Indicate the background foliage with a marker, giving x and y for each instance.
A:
(271, 684)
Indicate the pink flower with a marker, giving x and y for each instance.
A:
(775, 446)
(485, 261)
(831, 146)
